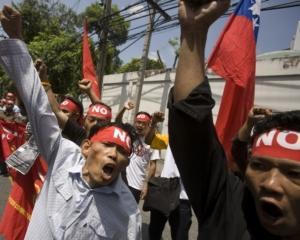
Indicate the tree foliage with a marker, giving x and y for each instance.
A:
(46, 16)
(53, 32)
(50, 30)
(62, 54)
(116, 25)
(134, 65)
(117, 28)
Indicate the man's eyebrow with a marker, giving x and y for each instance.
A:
(286, 163)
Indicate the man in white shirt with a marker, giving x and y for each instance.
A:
(142, 164)
(83, 196)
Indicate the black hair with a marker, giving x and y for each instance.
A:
(142, 112)
(77, 102)
(283, 121)
(125, 126)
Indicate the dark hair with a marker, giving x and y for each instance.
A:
(77, 102)
(283, 121)
(142, 112)
(125, 126)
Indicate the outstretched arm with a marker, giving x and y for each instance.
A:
(195, 22)
(19, 66)
(41, 68)
(197, 152)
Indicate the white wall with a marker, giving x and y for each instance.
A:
(277, 86)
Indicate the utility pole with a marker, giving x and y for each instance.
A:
(144, 59)
(139, 85)
(103, 44)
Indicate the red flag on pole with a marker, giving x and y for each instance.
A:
(88, 69)
(234, 59)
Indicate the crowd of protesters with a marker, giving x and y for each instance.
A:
(80, 173)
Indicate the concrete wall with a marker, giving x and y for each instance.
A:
(277, 86)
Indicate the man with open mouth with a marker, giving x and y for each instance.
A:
(266, 205)
(83, 196)
(143, 159)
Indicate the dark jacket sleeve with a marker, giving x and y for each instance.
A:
(212, 189)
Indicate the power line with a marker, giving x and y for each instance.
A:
(173, 23)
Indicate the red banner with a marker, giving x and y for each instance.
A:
(88, 69)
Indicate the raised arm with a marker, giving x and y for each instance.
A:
(19, 66)
(197, 152)
(157, 117)
(41, 68)
(195, 22)
(127, 106)
(239, 149)
(85, 85)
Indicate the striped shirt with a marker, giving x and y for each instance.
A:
(67, 208)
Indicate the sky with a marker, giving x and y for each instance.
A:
(277, 30)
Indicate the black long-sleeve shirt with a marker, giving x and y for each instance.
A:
(223, 206)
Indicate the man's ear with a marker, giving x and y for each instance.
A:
(85, 147)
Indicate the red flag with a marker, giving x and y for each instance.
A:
(234, 59)
(20, 203)
(88, 69)
(12, 136)
(24, 190)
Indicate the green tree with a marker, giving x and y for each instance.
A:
(51, 32)
(117, 28)
(46, 16)
(135, 63)
(62, 55)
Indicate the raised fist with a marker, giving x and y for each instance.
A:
(11, 22)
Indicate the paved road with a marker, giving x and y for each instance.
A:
(4, 191)
(5, 187)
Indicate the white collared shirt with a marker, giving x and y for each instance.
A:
(67, 208)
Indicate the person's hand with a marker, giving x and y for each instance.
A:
(41, 68)
(256, 114)
(129, 105)
(196, 18)
(157, 117)
(85, 85)
(11, 22)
